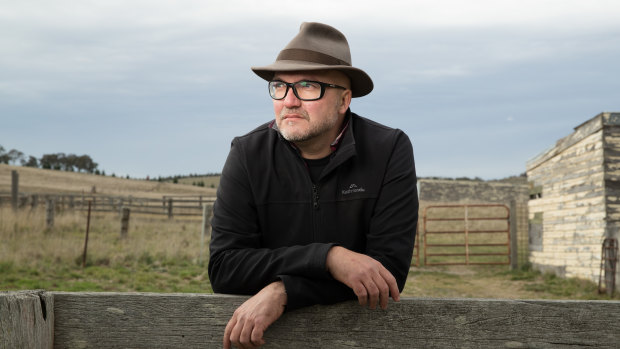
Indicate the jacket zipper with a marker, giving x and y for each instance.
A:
(315, 196)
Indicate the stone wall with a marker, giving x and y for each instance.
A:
(464, 191)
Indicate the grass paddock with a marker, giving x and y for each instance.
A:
(163, 255)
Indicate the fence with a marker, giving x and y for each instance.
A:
(167, 205)
(467, 234)
(39, 319)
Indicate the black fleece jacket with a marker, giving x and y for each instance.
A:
(270, 222)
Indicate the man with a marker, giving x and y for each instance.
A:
(317, 206)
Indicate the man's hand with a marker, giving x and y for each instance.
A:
(367, 277)
(246, 327)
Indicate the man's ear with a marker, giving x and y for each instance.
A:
(345, 101)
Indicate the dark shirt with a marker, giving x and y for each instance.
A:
(316, 166)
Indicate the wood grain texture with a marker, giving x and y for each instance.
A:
(26, 319)
(141, 320)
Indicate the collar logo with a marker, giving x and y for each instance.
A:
(353, 188)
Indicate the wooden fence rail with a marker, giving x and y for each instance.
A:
(39, 319)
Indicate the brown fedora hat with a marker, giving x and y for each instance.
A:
(318, 46)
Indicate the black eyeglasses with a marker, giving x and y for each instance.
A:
(305, 90)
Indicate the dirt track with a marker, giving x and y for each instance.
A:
(465, 282)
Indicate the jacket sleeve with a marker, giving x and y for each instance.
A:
(391, 236)
(238, 263)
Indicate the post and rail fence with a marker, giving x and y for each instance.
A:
(169, 206)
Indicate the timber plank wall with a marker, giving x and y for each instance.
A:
(39, 319)
(578, 203)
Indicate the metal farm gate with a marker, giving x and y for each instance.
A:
(466, 234)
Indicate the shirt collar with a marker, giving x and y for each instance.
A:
(347, 119)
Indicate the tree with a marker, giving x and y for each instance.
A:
(15, 156)
(85, 163)
(32, 162)
(4, 157)
(49, 161)
(70, 162)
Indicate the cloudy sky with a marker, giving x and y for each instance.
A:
(161, 87)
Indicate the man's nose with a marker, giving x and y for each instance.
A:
(291, 100)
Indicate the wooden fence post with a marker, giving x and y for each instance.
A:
(49, 213)
(35, 201)
(514, 252)
(86, 237)
(124, 222)
(14, 189)
(26, 319)
(207, 213)
(170, 208)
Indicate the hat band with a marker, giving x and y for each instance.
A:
(298, 54)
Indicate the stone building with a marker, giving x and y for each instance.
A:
(575, 199)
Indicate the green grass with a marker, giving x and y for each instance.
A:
(174, 276)
(548, 283)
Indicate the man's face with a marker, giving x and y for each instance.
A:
(303, 121)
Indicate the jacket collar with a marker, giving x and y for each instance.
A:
(345, 142)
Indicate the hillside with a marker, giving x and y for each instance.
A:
(36, 180)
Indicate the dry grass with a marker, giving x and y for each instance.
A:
(25, 239)
(158, 254)
(35, 180)
(208, 181)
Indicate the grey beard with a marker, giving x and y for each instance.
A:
(315, 130)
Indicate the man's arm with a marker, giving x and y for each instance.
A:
(372, 283)
(248, 324)
(382, 270)
(393, 227)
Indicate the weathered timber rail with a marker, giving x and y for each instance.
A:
(166, 205)
(39, 319)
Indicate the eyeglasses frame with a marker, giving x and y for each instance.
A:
(290, 85)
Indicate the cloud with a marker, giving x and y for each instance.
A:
(171, 69)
